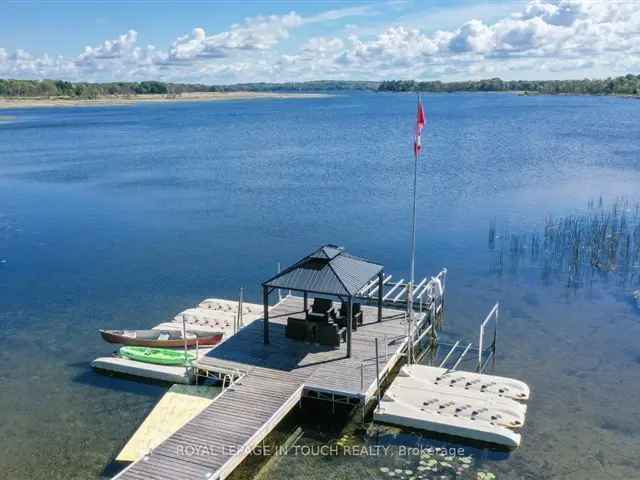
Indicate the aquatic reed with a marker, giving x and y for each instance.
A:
(603, 242)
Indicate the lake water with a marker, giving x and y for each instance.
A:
(123, 216)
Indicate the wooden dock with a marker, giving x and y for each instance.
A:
(270, 381)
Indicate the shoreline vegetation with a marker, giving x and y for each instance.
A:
(53, 93)
(625, 86)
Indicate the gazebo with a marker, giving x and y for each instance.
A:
(331, 271)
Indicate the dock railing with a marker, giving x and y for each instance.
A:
(493, 315)
(384, 359)
(396, 292)
(379, 364)
(462, 349)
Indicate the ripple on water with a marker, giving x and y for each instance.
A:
(129, 215)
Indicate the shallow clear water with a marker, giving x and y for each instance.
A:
(123, 216)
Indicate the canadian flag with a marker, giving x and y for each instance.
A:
(420, 123)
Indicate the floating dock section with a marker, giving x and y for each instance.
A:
(164, 373)
(467, 382)
(178, 406)
(481, 407)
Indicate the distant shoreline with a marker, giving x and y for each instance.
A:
(576, 94)
(519, 93)
(116, 100)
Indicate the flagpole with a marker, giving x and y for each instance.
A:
(413, 250)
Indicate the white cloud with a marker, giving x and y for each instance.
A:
(120, 58)
(557, 36)
(473, 36)
(558, 32)
(340, 13)
(564, 14)
(21, 64)
(322, 45)
(110, 48)
(396, 45)
(188, 46)
(257, 33)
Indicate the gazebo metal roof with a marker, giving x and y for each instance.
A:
(329, 270)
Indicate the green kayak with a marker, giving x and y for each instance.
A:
(160, 356)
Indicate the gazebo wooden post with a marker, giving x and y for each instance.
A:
(265, 303)
(380, 293)
(306, 301)
(349, 325)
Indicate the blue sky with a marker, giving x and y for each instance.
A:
(161, 22)
(225, 42)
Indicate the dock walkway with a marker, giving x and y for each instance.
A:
(272, 380)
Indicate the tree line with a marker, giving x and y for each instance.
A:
(60, 88)
(625, 85)
(311, 86)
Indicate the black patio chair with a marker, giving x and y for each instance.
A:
(329, 334)
(321, 310)
(341, 318)
(296, 328)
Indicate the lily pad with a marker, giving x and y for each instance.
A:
(486, 476)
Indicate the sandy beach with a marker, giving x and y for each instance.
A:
(31, 102)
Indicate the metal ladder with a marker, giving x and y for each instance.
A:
(448, 358)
